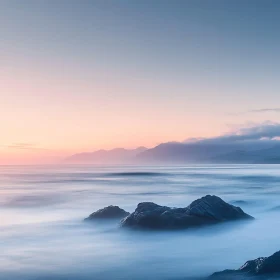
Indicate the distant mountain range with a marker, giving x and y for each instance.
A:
(114, 156)
(254, 144)
(202, 151)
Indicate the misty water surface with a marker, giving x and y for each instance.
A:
(43, 235)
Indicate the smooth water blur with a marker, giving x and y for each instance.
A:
(43, 235)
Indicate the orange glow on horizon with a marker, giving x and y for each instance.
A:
(44, 109)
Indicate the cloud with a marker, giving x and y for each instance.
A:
(262, 110)
(24, 146)
(266, 129)
(21, 146)
(263, 131)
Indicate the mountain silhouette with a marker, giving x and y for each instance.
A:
(118, 155)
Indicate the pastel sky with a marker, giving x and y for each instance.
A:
(83, 75)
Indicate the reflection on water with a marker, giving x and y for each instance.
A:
(43, 235)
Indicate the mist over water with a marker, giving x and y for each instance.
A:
(43, 235)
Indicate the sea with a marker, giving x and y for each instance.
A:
(43, 234)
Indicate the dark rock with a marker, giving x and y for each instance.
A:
(259, 267)
(206, 210)
(109, 212)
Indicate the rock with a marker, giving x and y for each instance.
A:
(260, 267)
(109, 212)
(209, 209)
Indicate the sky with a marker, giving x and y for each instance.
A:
(85, 75)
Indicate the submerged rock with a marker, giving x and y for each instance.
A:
(209, 209)
(260, 267)
(109, 212)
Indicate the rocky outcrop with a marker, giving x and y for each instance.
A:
(109, 212)
(258, 268)
(209, 209)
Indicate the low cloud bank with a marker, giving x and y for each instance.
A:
(263, 131)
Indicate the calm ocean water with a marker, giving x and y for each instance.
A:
(43, 235)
